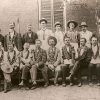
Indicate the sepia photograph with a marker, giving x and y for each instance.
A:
(49, 49)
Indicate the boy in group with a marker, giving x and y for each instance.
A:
(53, 58)
(68, 57)
(44, 33)
(95, 61)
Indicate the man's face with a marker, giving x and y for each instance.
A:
(58, 27)
(67, 41)
(82, 42)
(94, 41)
(71, 26)
(51, 42)
(38, 44)
(11, 48)
(26, 46)
(29, 28)
(84, 28)
(43, 24)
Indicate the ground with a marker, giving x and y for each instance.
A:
(54, 93)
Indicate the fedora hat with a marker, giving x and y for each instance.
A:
(72, 21)
(6, 68)
(83, 24)
(43, 19)
(57, 23)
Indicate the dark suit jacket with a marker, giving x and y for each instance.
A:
(40, 57)
(86, 56)
(2, 39)
(66, 54)
(16, 40)
(30, 40)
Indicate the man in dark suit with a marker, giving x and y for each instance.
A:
(30, 37)
(39, 58)
(14, 38)
(1, 38)
(82, 61)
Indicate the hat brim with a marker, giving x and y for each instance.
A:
(43, 20)
(83, 25)
(58, 24)
(75, 23)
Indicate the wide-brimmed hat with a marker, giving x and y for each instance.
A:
(72, 21)
(6, 68)
(43, 19)
(83, 24)
(57, 23)
(51, 37)
(12, 25)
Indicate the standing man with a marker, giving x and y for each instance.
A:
(85, 33)
(30, 37)
(95, 61)
(82, 61)
(44, 33)
(14, 38)
(59, 35)
(73, 34)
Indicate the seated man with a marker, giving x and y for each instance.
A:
(68, 57)
(24, 65)
(95, 61)
(82, 61)
(53, 58)
(11, 66)
(38, 61)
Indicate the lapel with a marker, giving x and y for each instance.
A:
(84, 52)
(52, 55)
(97, 52)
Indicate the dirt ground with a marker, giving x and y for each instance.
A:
(54, 93)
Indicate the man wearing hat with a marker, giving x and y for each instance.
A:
(44, 33)
(10, 67)
(14, 38)
(85, 33)
(73, 34)
(53, 58)
(59, 34)
(30, 37)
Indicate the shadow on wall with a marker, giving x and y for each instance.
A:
(25, 10)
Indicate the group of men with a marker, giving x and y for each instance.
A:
(46, 51)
